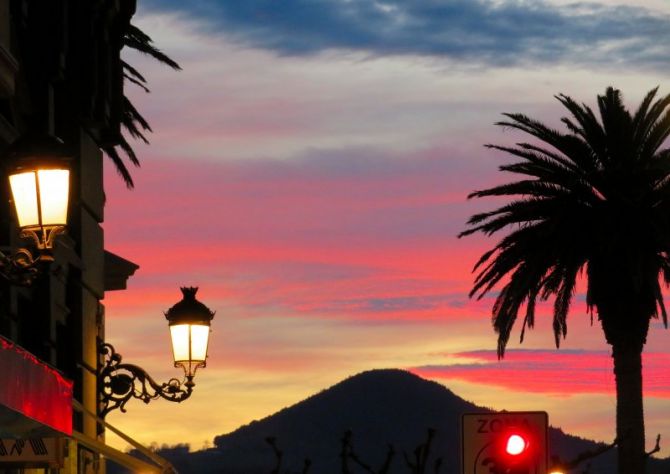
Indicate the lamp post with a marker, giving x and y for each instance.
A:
(189, 322)
(39, 180)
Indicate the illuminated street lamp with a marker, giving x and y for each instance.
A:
(40, 197)
(39, 180)
(189, 321)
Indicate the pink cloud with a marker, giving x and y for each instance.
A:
(563, 373)
(355, 233)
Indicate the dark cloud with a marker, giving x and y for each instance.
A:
(510, 32)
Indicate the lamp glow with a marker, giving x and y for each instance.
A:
(40, 188)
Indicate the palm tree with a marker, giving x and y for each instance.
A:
(595, 201)
(131, 120)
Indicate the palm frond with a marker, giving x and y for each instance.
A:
(130, 70)
(595, 199)
(658, 134)
(120, 166)
(572, 147)
(133, 75)
(125, 146)
(136, 82)
(617, 123)
(644, 123)
(587, 127)
(548, 162)
(642, 119)
(139, 41)
(131, 120)
(524, 212)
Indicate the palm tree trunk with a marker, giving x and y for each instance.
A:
(629, 411)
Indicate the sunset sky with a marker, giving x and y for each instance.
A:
(309, 169)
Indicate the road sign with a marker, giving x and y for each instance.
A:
(486, 438)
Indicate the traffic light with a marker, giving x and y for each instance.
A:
(516, 452)
(505, 443)
(511, 453)
(516, 444)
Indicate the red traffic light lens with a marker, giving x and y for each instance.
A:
(516, 444)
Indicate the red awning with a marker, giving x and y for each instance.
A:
(35, 399)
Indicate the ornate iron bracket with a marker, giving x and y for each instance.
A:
(43, 237)
(119, 382)
(20, 268)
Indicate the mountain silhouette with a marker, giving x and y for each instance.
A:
(378, 407)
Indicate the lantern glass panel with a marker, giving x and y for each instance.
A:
(199, 341)
(189, 342)
(54, 190)
(180, 342)
(24, 194)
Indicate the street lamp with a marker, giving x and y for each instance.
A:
(39, 180)
(189, 322)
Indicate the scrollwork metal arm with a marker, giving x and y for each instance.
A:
(43, 237)
(119, 382)
(20, 268)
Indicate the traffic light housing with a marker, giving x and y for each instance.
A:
(505, 443)
(512, 453)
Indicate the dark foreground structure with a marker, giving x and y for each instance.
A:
(60, 75)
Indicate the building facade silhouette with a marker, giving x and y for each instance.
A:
(61, 73)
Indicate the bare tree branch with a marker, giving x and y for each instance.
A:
(272, 441)
(657, 448)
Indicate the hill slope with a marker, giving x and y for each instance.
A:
(379, 407)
